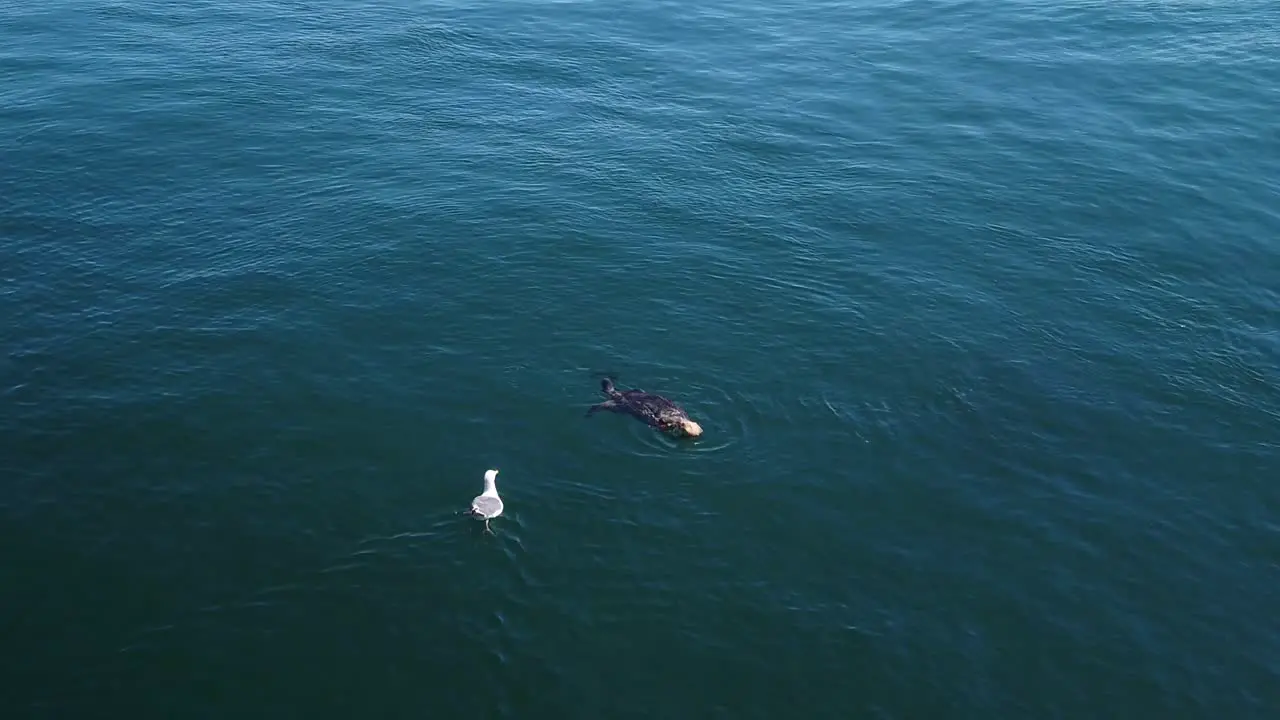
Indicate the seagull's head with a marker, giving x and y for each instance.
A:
(490, 475)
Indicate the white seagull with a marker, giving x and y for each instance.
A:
(487, 505)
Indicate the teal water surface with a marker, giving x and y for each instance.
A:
(979, 304)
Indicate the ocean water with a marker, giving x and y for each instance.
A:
(979, 304)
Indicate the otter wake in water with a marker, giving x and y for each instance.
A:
(655, 410)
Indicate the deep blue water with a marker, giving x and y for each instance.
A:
(979, 304)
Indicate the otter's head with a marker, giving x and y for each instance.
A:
(689, 428)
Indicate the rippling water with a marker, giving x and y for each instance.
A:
(979, 304)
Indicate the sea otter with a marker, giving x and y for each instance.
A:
(655, 410)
